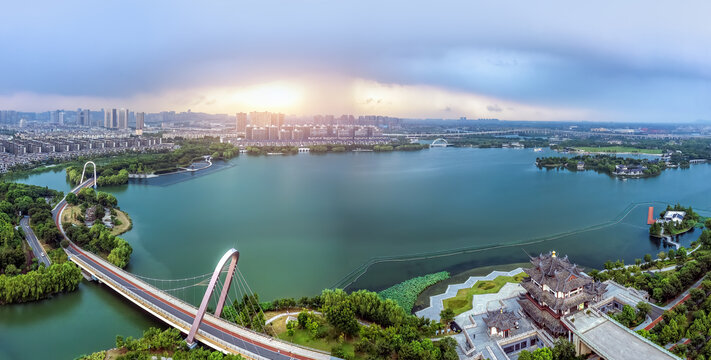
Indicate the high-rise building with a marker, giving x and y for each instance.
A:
(276, 119)
(140, 122)
(260, 119)
(111, 119)
(122, 119)
(241, 122)
(57, 117)
(83, 117)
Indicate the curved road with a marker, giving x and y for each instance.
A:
(254, 345)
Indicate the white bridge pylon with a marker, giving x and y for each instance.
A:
(230, 254)
(440, 142)
(84, 170)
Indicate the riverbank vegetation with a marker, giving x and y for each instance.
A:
(157, 343)
(601, 163)
(115, 170)
(39, 284)
(490, 141)
(336, 148)
(663, 286)
(463, 300)
(405, 293)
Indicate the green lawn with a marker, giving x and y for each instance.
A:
(463, 300)
(619, 149)
(304, 338)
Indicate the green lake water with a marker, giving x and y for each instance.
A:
(306, 222)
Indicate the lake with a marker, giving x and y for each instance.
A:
(363, 220)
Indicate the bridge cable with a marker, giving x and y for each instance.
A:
(254, 299)
(247, 298)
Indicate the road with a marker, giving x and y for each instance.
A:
(34, 242)
(253, 345)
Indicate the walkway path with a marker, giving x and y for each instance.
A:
(678, 300)
(37, 248)
(657, 270)
(436, 301)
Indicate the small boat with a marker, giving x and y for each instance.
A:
(537, 149)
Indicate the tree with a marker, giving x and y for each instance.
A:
(339, 311)
(662, 255)
(446, 315)
(563, 350)
(697, 295)
(671, 254)
(290, 326)
(72, 199)
(542, 354)
(647, 258)
(638, 261)
(643, 308)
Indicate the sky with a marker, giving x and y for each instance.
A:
(515, 60)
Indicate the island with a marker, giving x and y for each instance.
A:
(606, 164)
(675, 220)
(92, 220)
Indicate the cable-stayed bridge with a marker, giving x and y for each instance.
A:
(166, 300)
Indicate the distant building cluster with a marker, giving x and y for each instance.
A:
(309, 132)
(18, 151)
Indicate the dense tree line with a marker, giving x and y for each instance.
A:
(488, 141)
(690, 320)
(690, 148)
(663, 286)
(600, 163)
(40, 283)
(17, 200)
(115, 170)
(162, 344)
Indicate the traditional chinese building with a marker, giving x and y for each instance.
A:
(556, 287)
(501, 322)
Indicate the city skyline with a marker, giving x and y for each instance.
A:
(636, 61)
